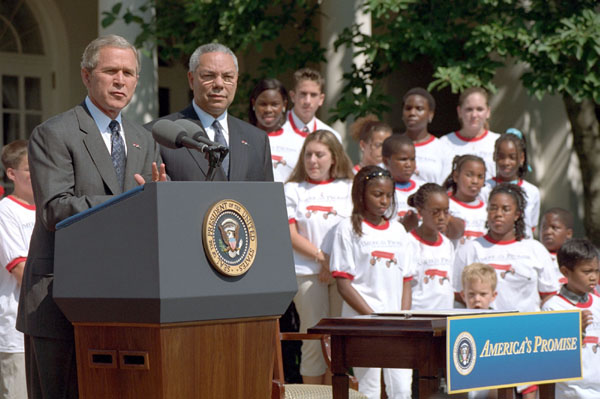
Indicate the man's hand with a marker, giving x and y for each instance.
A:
(156, 174)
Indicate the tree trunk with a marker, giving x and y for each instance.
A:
(586, 139)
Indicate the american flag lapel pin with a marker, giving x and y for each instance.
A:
(244, 142)
(136, 145)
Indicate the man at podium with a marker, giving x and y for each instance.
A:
(78, 159)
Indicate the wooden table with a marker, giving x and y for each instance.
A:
(418, 343)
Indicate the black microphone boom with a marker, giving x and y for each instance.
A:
(171, 135)
(197, 133)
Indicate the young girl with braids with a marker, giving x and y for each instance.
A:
(373, 263)
(370, 133)
(317, 197)
(510, 155)
(465, 183)
(431, 287)
(524, 267)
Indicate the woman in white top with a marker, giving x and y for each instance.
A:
(317, 198)
(474, 137)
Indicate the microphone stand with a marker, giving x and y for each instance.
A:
(215, 159)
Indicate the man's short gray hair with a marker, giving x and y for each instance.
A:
(210, 48)
(89, 59)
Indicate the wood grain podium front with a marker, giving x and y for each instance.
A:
(229, 359)
(418, 343)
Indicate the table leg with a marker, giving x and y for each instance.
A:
(340, 386)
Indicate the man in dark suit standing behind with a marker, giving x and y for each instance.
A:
(77, 159)
(213, 74)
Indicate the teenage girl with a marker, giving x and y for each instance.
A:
(524, 267)
(431, 287)
(464, 184)
(373, 264)
(474, 136)
(418, 109)
(317, 198)
(510, 155)
(370, 134)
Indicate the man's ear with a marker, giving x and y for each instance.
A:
(10, 173)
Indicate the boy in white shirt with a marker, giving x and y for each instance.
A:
(578, 262)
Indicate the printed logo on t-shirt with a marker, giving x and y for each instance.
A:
(278, 160)
(327, 210)
(588, 340)
(432, 274)
(389, 257)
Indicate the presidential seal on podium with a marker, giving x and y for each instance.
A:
(229, 237)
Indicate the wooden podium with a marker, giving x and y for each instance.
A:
(153, 318)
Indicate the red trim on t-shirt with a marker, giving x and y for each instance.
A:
(579, 304)
(343, 275)
(24, 205)
(463, 138)
(532, 388)
(469, 233)
(412, 186)
(481, 204)
(429, 140)
(491, 240)
(311, 181)
(380, 227)
(436, 243)
(275, 133)
(588, 339)
(499, 181)
(409, 278)
(300, 132)
(548, 293)
(13, 263)
(292, 220)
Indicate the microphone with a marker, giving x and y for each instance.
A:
(169, 134)
(197, 133)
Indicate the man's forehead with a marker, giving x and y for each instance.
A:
(216, 61)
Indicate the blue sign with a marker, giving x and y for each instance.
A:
(503, 350)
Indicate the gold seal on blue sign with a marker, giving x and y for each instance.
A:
(464, 353)
(229, 237)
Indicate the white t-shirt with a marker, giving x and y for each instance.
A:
(589, 386)
(532, 209)
(483, 147)
(431, 287)
(377, 263)
(433, 165)
(474, 215)
(524, 269)
(296, 124)
(316, 208)
(285, 150)
(16, 225)
(402, 194)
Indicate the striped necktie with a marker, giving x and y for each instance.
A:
(117, 152)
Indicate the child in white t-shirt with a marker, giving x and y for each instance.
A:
(431, 287)
(578, 260)
(510, 155)
(465, 183)
(17, 217)
(373, 264)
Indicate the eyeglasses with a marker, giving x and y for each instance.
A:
(209, 77)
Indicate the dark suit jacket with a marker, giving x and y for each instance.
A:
(71, 171)
(249, 153)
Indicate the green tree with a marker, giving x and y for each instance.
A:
(467, 41)
(246, 26)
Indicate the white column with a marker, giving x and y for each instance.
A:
(337, 15)
(144, 105)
